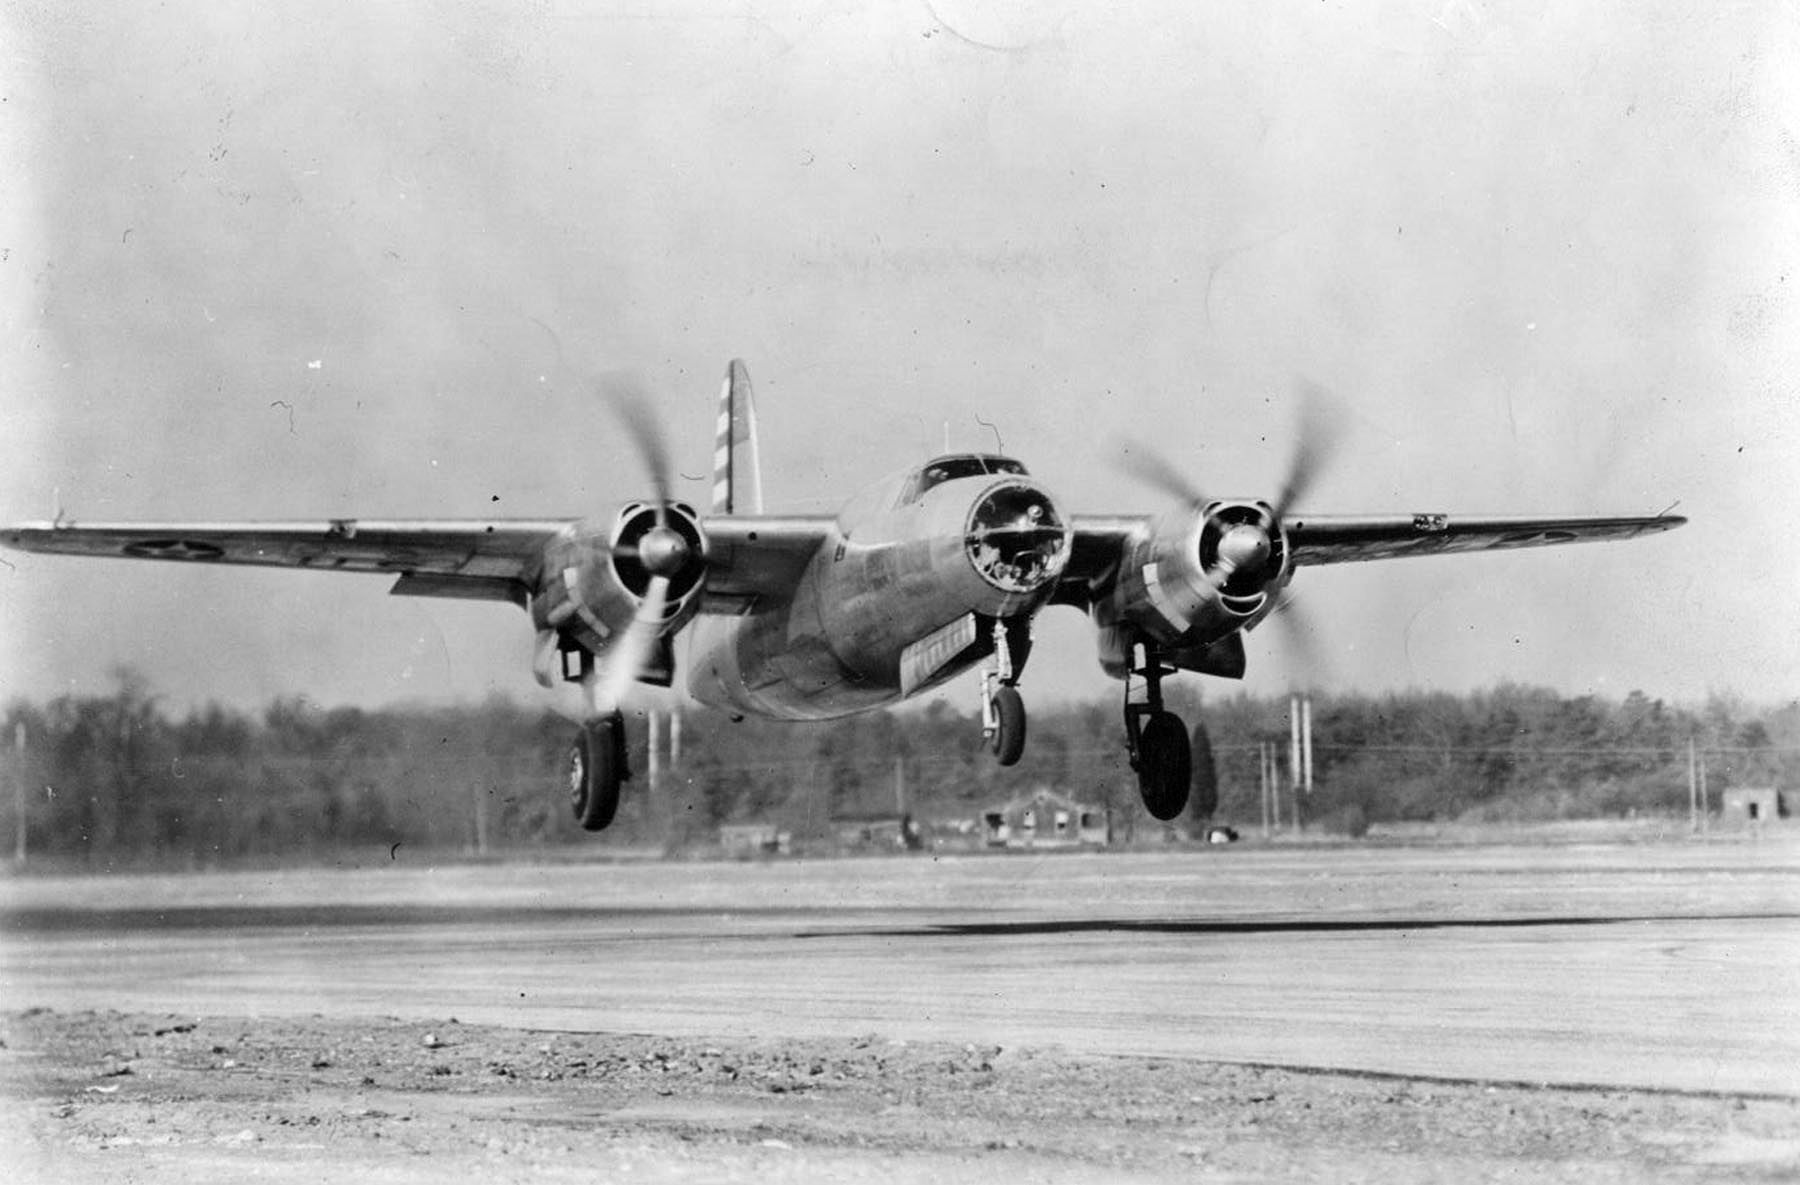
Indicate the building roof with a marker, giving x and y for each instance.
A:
(1044, 796)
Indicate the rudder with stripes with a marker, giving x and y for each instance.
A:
(737, 472)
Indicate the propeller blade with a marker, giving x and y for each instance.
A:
(1321, 426)
(626, 660)
(1300, 637)
(632, 401)
(543, 659)
(1148, 466)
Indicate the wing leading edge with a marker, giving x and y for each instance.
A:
(1340, 539)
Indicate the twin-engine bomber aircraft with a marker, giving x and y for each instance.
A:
(916, 580)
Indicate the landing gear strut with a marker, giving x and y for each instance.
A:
(1157, 741)
(596, 768)
(1002, 708)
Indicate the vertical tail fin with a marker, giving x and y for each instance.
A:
(737, 472)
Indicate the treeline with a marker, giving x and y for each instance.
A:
(1512, 754)
(118, 780)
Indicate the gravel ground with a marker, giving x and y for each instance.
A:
(142, 1098)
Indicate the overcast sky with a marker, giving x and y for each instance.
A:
(313, 259)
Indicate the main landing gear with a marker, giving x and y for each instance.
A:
(1002, 708)
(596, 768)
(1157, 741)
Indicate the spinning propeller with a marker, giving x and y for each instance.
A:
(1241, 546)
(662, 552)
(658, 554)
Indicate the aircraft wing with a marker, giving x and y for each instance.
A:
(1101, 541)
(472, 559)
(1099, 546)
(1341, 539)
(752, 556)
(748, 557)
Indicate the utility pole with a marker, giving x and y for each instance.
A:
(1294, 761)
(1705, 806)
(1275, 784)
(1306, 761)
(654, 811)
(1262, 786)
(667, 808)
(1693, 788)
(1268, 763)
(655, 760)
(481, 796)
(19, 794)
(1294, 807)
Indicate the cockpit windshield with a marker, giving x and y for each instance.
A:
(945, 469)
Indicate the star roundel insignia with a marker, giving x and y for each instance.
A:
(174, 549)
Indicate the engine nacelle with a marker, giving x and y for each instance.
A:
(1199, 575)
(596, 581)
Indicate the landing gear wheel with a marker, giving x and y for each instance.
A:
(1164, 765)
(595, 770)
(1009, 733)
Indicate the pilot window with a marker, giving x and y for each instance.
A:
(951, 468)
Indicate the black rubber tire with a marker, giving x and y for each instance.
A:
(1009, 738)
(593, 772)
(1165, 766)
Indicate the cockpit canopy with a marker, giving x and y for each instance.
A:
(942, 469)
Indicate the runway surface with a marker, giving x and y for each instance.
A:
(1668, 966)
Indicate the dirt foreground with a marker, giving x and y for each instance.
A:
(120, 1097)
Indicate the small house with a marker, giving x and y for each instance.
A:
(1046, 819)
(1752, 805)
(877, 829)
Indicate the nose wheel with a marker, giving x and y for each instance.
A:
(1006, 708)
(1157, 741)
(1002, 708)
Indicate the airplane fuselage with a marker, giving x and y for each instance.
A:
(901, 595)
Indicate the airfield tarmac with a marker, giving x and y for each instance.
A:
(1665, 971)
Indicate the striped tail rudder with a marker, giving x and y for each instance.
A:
(737, 473)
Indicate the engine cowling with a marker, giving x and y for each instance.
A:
(595, 580)
(1200, 574)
